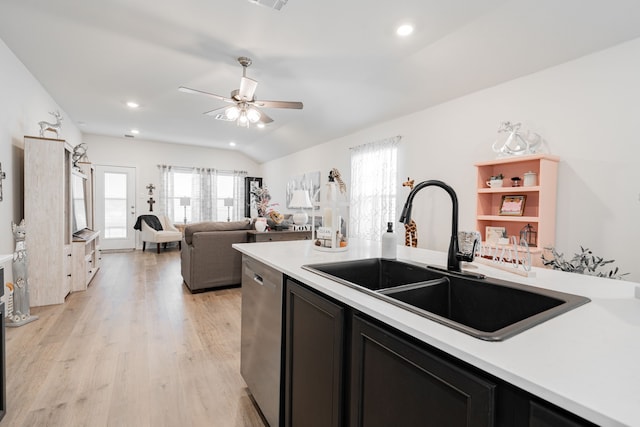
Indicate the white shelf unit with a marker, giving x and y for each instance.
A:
(86, 260)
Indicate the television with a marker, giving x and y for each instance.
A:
(79, 205)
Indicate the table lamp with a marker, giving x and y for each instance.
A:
(185, 201)
(228, 202)
(300, 200)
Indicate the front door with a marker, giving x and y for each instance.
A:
(115, 206)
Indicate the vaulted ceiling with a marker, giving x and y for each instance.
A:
(341, 58)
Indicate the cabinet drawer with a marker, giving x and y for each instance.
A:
(279, 236)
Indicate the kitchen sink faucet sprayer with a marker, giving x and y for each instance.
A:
(453, 258)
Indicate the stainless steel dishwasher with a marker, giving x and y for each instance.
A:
(261, 336)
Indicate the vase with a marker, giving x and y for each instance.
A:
(261, 224)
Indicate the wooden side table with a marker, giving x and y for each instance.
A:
(180, 226)
(277, 236)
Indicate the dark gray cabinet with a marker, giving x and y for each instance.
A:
(314, 359)
(545, 416)
(394, 382)
(342, 368)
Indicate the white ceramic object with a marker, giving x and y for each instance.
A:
(261, 225)
(530, 179)
(495, 183)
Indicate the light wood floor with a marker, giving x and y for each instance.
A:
(135, 349)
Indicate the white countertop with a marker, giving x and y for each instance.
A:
(586, 360)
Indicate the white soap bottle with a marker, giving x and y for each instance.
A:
(389, 244)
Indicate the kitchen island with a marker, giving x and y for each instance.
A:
(586, 361)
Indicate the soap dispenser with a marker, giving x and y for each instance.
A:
(389, 243)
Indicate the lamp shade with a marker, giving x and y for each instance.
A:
(185, 201)
(228, 202)
(300, 199)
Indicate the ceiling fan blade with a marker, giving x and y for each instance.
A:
(279, 104)
(201, 92)
(264, 118)
(216, 111)
(247, 89)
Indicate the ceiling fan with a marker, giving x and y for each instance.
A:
(244, 110)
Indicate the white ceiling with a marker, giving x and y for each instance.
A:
(341, 58)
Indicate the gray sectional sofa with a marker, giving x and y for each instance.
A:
(207, 259)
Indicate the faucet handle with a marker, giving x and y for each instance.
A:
(467, 244)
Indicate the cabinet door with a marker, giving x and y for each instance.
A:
(543, 416)
(314, 336)
(394, 383)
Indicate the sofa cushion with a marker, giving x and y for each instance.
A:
(215, 226)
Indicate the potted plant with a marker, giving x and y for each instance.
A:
(495, 180)
(584, 262)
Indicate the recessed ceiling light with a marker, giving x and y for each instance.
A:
(404, 30)
(135, 131)
(232, 144)
(260, 125)
(132, 104)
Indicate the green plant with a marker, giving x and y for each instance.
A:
(499, 176)
(584, 262)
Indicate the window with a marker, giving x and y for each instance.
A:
(115, 205)
(198, 194)
(180, 200)
(373, 188)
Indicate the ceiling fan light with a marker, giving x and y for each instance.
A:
(232, 113)
(253, 115)
(243, 120)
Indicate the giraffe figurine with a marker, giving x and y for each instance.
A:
(411, 229)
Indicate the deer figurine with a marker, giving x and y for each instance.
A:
(411, 229)
(53, 127)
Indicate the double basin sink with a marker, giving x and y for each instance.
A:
(486, 308)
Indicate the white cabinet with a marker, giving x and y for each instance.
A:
(47, 207)
(58, 262)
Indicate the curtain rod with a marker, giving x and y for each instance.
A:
(397, 137)
(198, 167)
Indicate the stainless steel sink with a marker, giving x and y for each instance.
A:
(489, 309)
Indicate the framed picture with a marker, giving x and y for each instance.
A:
(310, 181)
(250, 183)
(493, 235)
(512, 205)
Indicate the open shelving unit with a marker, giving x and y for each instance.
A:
(540, 204)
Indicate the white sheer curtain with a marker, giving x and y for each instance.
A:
(373, 188)
(205, 190)
(203, 194)
(238, 195)
(165, 191)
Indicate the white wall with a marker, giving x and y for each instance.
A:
(586, 109)
(145, 156)
(23, 103)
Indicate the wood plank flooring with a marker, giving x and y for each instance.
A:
(135, 349)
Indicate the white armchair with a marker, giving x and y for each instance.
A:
(169, 233)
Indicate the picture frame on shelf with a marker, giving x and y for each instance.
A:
(251, 183)
(512, 205)
(492, 235)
